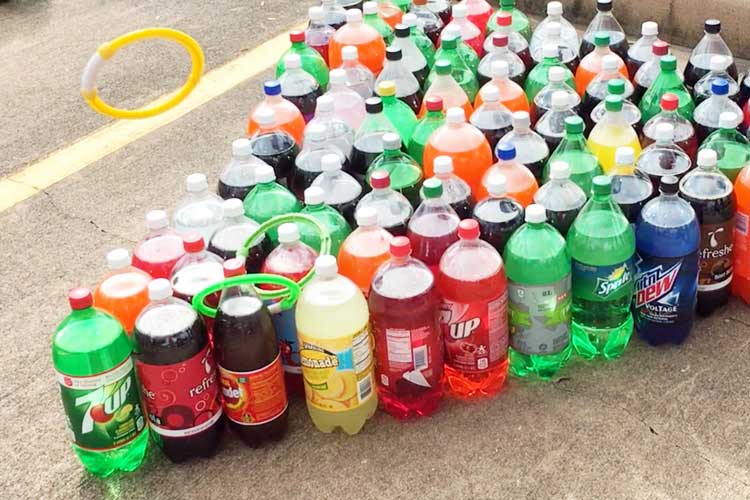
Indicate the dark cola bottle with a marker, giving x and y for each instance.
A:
(498, 215)
(234, 231)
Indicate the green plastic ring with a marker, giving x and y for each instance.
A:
(291, 291)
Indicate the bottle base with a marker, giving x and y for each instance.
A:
(406, 407)
(674, 334)
(351, 421)
(590, 342)
(125, 459)
(476, 385)
(544, 367)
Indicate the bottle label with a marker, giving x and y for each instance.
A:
(741, 248)
(181, 399)
(603, 283)
(475, 334)
(286, 335)
(716, 256)
(415, 355)
(665, 290)
(103, 410)
(540, 316)
(338, 371)
(254, 397)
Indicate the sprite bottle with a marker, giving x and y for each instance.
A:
(601, 243)
(98, 387)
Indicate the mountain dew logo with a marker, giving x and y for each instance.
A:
(619, 277)
(656, 283)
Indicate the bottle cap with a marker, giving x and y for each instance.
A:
(234, 267)
(374, 105)
(504, 19)
(432, 188)
(670, 102)
(265, 116)
(272, 87)
(602, 184)
(500, 69)
(490, 93)
(468, 229)
(660, 48)
(369, 8)
(118, 258)
(292, 61)
(459, 11)
(453, 31)
(449, 41)
(402, 31)
(159, 289)
(521, 120)
(720, 86)
(324, 103)
(196, 183)
(316, 13)
(616, 86)
(314, 195)
(434, 103)
(556, 74)
(669, 184)
(409, 20)
(366, 216)
(664, 132)
(668, 63)
(728, 120)
(444, 67)
(535, 214)
(456, 115)
(613, 103)
(610, 62)
(337, 77)
(393, 53)
(443, 165)
(353, 16)
(559, 170)
(298, 35)
(624, 155)
(193, 243)
(380, 179)
(550, 50)
(712, 26)
(265, 174)
(326, 267)
(604, 5)
(560, 100)
(330, 163)
(316, 131)
(497, 185)
(241, 147)
(554, 9)
(232, 207)
(574, 125)
(649, 28)
(505, 151)
(80, 298)
(391, 141)
(349, 52)
(289, 232)
(157, 219)
(386, 88)
(499, 40)
(707, 158)
(719, 63)
(601, 39)
(400, 246)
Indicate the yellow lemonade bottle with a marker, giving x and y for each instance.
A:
(612, 132)
(336, 350)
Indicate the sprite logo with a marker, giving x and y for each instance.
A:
(619, 277)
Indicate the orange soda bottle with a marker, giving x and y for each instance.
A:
(741, 279)
(364, 250)
(369, 42)
(446, 88)
(390, 13)
(288, 116)
(465, 144)
(591, 65)
(512, 95)
(124, 291)
(521, 183)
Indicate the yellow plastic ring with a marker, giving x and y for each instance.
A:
(108, 49)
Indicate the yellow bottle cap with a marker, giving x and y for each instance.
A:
(386, 88)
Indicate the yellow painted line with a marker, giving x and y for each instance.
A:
(111, 138)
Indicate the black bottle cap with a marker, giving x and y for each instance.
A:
(402, 31)
(712, 26)
(393, 54)
(669, 184)
(374, 105)
(604, 5)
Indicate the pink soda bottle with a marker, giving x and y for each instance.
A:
(434, 225)
(471, 35)
(160, 250)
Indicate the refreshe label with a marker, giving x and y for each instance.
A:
(540, 317)
(716, 256)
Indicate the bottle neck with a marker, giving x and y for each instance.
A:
(602, 50)
(391, 153)
(435, 115)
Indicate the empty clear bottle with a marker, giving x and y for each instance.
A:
(707, 114)
(408, 88)
(368, 143)
(663, 157)
(456, 191)
(642, 49)
(348, 105)
(702, 90)
(309, 163)
(539, 76)
(501, 52)
(492, 117)
(631, 188)
(531, 149)
(649, 71)
(404, 172)
(684, 131)
(238, 177)
(412, 57)
(337, 226)
(556, 82)
(554, 15)
(269, 199)
(574, 151)
(338, 132)
(199, 211)
(712, 44)
(605, 21)
(552, 35)
(551, 126)
(430, 122)
(300, 87)
(561, 197)
(498, 215)
(359, 77)
(232, 234)
(732, 148)
(393, 209)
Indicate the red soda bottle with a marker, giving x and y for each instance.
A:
(403, 306)
(434, 225)
(472, 284)
(162, 247)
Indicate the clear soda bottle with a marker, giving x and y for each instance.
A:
(337, 226)
(398, 112)
(269, 199)
(492, 117)
(631, 188)
(444, 86)
(684, 132)
(712, 44)
(427, 124)
(311, 60)
(338, 132)
(521, 183)
(707, 113)
(573, 150)
(565, 53)
(501, 52)
(318, 33)
(342, 191)
(199, 211)
(667, 81)
(368, 143)
(649, 71)
(605, 22)
(442, 8)
(702, 90)
(612, 132)
(551, 126)
(195, 271)
(359, 77)
(429, 21)
(300, 87)
(364, 250)
(591, 64)
(273, 145)
(392, 208)
(554, 15)
(408, 88)
(309, 165)
(288, 117)
(503, 23)
(531, 149)
(232, 234)
(370, 44)
(433, 227)
(663, 158)
(160, 249)
(238, 177)
(123, 292)
(741, 250)
(404, 172)
(348, 105)
(539, 76)
(456, 191)
(498, 215)
(413, 58)
(732, 148)
(512, 95)
(556, 82)
(334, 15)
(642, 49)
(561, 197)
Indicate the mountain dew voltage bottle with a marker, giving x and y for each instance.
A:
(99, 391)
(601, 243)
(539, 289)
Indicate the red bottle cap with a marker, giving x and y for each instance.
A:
(504, 19)
(434, 103)
(380, 179)
(400, 246)
(80, 298)
(234, 267)
(193, 243)
(499, 40)
(670, 102)
(468, 229)
(660, 48)
(297, 36)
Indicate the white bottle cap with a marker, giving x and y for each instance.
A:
(337, 76)
(554, 29)
(159, 289)
(367, 216)
(728, 119)
(349, 52)
(330, 163)
(459, 11)
(453, 30)
(409, 20)
(718, 63)
(326, 267)
(315, 13)
(556, 74)
(324, 103)
(521, 120)
(391, 141)
(624, 155)
(369, 8)
(353, 16)
(265, 116)
(442, 165)
(232, 207)
(292, 61)
(157, 219)
(490, 93)
(664, 132)
(610, 62)
(118, 258)
(554, 9)
(535, 214)
(196, 183)
(288, 233)
(707, 158)
(316, 131)
(560, 100)
(550, 50)
(241, 147)
(456, 115)
(500, 69)
(314, 195)
(649, 28)
(559, 170)
(265, 174)
(497, 185)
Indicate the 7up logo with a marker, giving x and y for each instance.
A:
(100, 408)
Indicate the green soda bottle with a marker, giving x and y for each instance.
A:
(732, 148)
(463, 74)
(467, 54)
(601, 243)
(420, 39)
(329, 217)
(268, 199)
(539, 76)
(521, 23)
(403, 5)
(98, 387)
(668, 81)
(397, 111)
(371, 17)
(405, 173)
(312, 61)
(574, 150)
(539, 291)
(433, 119)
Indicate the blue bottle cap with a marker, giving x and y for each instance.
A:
(505, 151)
(272, 87)
(720, 86)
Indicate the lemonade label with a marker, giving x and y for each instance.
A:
(254, 397)
(540, 317)
(716, 256)
(181, 399)
(603, 283)
(337, 372)
(103, 410)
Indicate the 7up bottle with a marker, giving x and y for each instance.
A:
(601, 243)
(99, 390)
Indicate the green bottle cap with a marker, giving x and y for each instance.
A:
(443, 67)
(668, 63)
(449, 42)
(613, 103)
(574, 125)
(508, 4)
(601, 39)
(602, 185)
(616, 87)
(432, 188)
